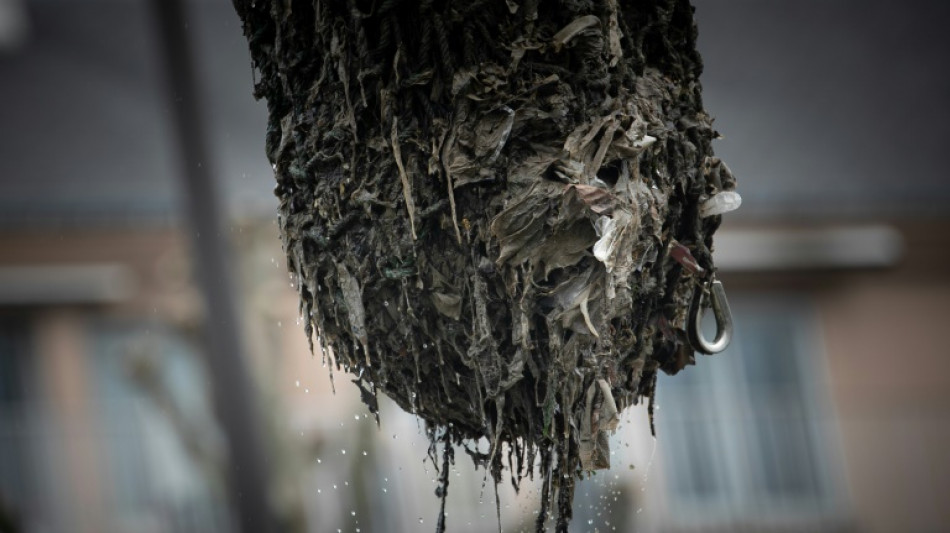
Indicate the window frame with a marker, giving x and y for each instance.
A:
(738, 507)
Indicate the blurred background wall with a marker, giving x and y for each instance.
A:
(831, 411)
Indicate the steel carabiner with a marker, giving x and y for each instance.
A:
(721, 311)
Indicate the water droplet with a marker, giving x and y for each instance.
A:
(364, 453)
(306, 391)
(297, 383)
(343, 452)
(319, 460)
(352, 513)
(420, 519)
(356, 417)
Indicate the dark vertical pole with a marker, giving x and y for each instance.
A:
(233, 389)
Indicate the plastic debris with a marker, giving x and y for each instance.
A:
(509, 202)
(721, 203)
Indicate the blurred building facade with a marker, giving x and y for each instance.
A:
(831, 411)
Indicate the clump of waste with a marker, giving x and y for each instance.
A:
(497, 213)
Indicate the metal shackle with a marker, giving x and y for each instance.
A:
(720, 307)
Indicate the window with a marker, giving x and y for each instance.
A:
(158, 435)
(743, 433)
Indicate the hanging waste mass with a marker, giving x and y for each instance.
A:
(498, 214)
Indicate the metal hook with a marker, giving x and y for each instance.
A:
(723, 316)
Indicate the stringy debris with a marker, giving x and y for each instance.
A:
(500, 204)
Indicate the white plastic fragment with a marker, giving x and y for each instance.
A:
(509, 121)
(571, 30)
(720, 203)
(645, 142)
(606, 228)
